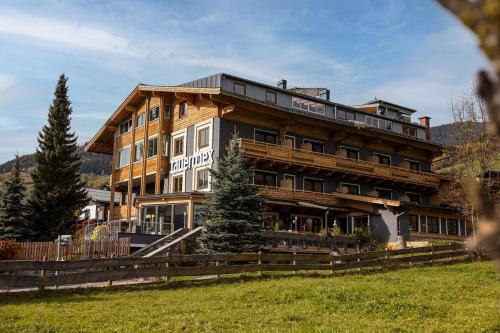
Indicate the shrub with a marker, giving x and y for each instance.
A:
(9, 249)
(363, 237)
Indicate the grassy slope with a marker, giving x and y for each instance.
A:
(459, 298)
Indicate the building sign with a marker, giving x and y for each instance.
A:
(193, 161)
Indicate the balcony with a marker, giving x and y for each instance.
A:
(289, 159)
(319, 198)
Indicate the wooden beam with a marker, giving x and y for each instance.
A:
(130, 108)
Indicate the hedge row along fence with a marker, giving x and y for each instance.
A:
(41, 274)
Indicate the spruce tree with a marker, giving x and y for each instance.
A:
(233, 207)
(58, 191)
(14, 222)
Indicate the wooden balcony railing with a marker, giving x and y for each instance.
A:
(292, 156)
(325, 199)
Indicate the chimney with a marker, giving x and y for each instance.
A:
(324, 94)
(282, 84)
(426, 121)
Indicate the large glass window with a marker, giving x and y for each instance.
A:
(152, 147)
(125, 127)
(203, 137)
(414, 223)
(266, 137)
(198, 217)
(360, 222)
(154, 113)
(313, 185)
(452, 226)
(264, 178)
(317, 147)
(138, 151)
(432, 224)
(180, 216)
(165, 219)
(123, 157)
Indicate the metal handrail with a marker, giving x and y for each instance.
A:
(145, 248)
(175, 241)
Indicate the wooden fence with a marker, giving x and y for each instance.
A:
(57, 273)
(78, 250)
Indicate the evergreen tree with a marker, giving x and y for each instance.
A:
(58, 191)
(14, 222)
(233, 208)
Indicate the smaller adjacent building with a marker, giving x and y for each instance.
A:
(97, 209)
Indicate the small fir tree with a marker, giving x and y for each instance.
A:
(233, 208)
(58, 191)
(14, 222)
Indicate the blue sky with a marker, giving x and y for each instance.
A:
(409, 52)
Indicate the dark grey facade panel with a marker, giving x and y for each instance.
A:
(212, 81)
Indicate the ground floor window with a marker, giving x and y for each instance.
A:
(452, 225)
(360, 222)
(432, 224)
(163, 219)
(414, 223)
(198, 218)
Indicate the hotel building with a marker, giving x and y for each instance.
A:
(318, 163)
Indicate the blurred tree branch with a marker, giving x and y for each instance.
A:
(483, 18)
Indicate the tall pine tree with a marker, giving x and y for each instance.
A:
(58, 191)
(233, 207)
(14, 222)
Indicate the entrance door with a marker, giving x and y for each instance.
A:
(165, 219)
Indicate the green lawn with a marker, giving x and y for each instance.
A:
(456, 298)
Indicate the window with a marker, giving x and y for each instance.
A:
(405, 118)
(152, 146)
(409, 130)
(167, 111)
(345, 115)
(125, 127)
(139, 120)
(313, 185)
(384, 193)
(452, 226)
(177, 183)
(239, 88)
(379, 123)
(414, 165)
(264, 178)
(414, 197)
(179, 146)
(183, 109)
(351, 153)
(165, 144)
(266, 137)
(291, 178)
(123, 157)
(270, 96)
(202, 179)
(432, 224)
(316, 146)
(360, 222)
(383, 159)
(413, 223)
(138, 150)
(203, 137)
(351, 188)
(154, 113)
(306, 105)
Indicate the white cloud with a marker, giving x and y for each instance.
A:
(63, 32)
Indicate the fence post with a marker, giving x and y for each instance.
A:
(359, 260)
(386, 257)
(167, 278)
(332, 262)
(218, 270)
(110, 282)
(260, 262)
(43, 275)
(432, 254)
(294, 263)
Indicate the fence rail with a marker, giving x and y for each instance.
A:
(77, 250)
(56, 273)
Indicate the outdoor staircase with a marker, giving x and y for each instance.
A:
(162, 245)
